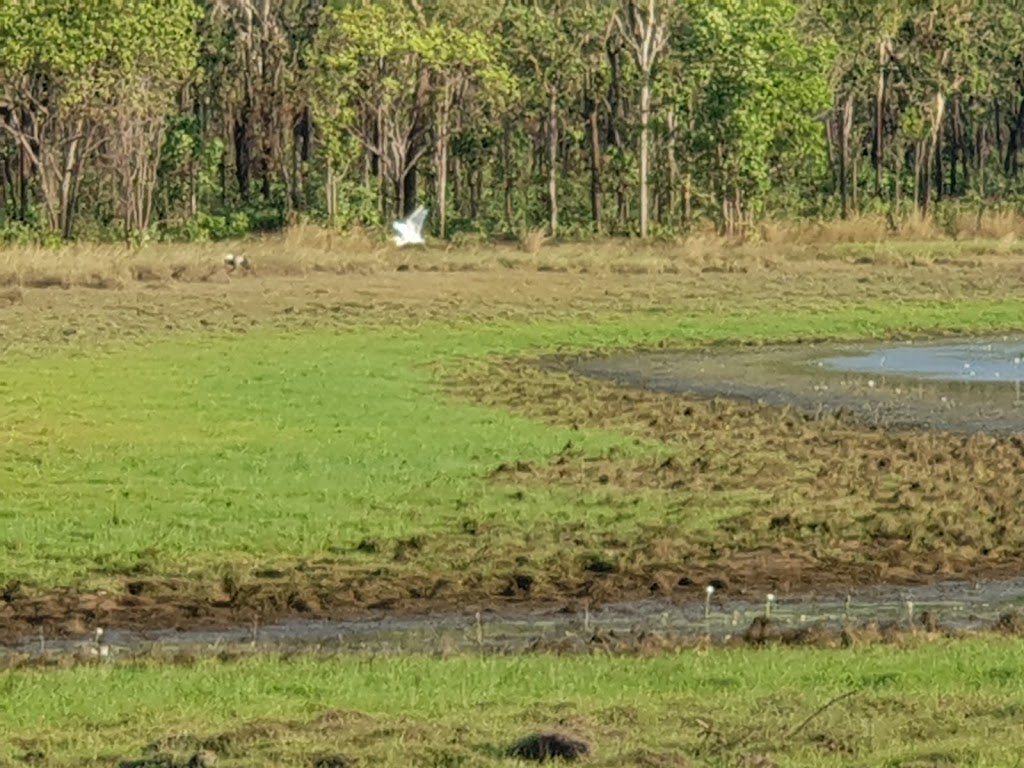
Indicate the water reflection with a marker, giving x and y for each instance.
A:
(978, 361)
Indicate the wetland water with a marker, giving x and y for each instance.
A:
(958, 606)
(961, 385)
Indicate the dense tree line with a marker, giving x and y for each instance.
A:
(204, 118)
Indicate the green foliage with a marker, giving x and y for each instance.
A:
(88, 49)
(370, 63)
(754, 92)
(746, 108)
(31, 231)
(206, 227)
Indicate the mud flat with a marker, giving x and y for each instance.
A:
(970, 385)
(625, 627)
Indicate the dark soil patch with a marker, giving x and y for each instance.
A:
(333, 761)
(829, 502)
(542, 747)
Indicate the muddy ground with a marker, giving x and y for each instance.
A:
(839, 502)
(797, 375)
(833, 503)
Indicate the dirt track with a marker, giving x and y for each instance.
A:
(841, 504)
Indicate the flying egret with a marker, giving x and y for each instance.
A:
(410, 231)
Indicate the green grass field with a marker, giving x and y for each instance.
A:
(198, 452)
(936, 704)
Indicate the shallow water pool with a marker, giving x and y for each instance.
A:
(990, 360)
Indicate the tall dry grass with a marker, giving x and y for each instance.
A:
(304, 249)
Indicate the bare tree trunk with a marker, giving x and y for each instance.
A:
(24, 183)
(962, 147)
(331, 193)
(553, 160)
(596, 202)
(415, 143)
(895, 213)
(441, 160)
(920, 174)
(506, 170)
(648, 36)
(856, 185)
(615, 119)
(5, 181)
(378, 166)
(688, 199)
(645, 119)
(932, 150)
(1011, 165)
(884, 50)
(673, 168)
(70, 175)
(845, 129)
(242, 156)
(302, 141)
(688, 180)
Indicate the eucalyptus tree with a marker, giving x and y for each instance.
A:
(156, 54)
(257, 62)
(938, 65)
(469, 77)
(385, 71)
(542, 45)
(646, 32)
(758, 90)
(848, 27)
(50, 68)
(370, 60)
(100, 75)
(596, 109)
(998, 42)
(589, 115)
(986, 114)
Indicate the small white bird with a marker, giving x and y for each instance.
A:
(410, 231)
(233, 262)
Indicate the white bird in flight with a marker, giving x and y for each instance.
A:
(410, 231)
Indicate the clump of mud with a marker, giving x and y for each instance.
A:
(541, 747)
(204, 758)
(333, 761)
(1010, 623)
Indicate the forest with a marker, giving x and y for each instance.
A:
(204, 119)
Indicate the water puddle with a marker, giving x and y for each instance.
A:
(958, 606)
(995, 361)
(968, 385)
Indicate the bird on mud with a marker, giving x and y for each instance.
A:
(410, 230)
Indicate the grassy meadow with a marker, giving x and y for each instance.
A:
(927, 704)
(195, 453)
(207, 429)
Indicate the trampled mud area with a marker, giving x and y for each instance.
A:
(812, 478)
